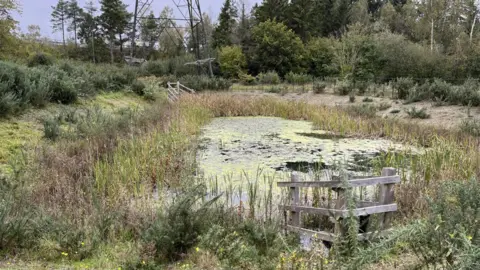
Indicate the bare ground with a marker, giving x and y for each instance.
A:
(440, 116)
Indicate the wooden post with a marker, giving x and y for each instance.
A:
(386, 197)
(178, 88)
(295, 201)
(340, 205)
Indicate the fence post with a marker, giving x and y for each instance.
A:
(340, 205)
(387, 196)
(178, 88)
(295, 200)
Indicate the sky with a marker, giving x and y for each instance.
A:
(37, 12)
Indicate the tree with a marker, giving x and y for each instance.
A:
(320, 57)
(88, 27)
(222, 34)
(201, 36)
(59, 18)
(74, 15)
(150, 32)
(232, 61)
(114, 20)
(274, 10)
(278, 48)
(302, 18)
(171, 40)
(8, 25)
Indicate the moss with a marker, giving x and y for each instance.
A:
(14, 135)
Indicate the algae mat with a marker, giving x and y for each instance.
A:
(240, 147)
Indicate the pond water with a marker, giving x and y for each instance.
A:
(241, 147)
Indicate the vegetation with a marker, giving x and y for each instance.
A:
(414, 113)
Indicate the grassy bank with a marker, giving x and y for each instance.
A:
(121, 191)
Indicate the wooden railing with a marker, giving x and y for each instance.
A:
(174, 91)
(384, 206)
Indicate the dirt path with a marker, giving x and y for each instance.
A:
(440, 116)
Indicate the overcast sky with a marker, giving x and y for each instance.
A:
(37, 12)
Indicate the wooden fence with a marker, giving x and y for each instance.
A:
(174, 91)
(384, 206)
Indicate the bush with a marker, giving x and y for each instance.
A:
(466, 94)
(232, 61)
(403, 86)
(364, 110)
(384, 106)
(51, 129)
(320, 56)
(8, 104)
(414, 113)
(471, 127)
(447, 237)
(40, 59)
(440, 90)
(344, 88)
(177, 229)
(319, 87)
(155, 68)
(270, 77)
(201, 83)
(299, 79)
(367, 100)
(247, 79)
(138, 87)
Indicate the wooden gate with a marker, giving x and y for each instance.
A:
(174, 91)
(384, 205)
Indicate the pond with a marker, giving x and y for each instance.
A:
(241, 147)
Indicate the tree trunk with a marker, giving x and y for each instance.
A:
(431, 37)
(63, 34)
(132, 48)
(473, 27)
(111, 51)
(75, 28)
(121, 43)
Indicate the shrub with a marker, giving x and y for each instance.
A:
(247, 79)
(364, 110)
(177, 229)
(419, 93)
(395, 111)
(319, 87)
(351, 97)
(51, 129)
(414, 113)
(37, 86)
(138, 87)
(320, 56)
(275, 89)
(471, 127)
(299, 79)
(447, 237)
(344, 88)
(155, 68)
(40, 59)
(201, 83)
(8, 104)
(440, 90)
(270, 77)
(232, 61)
(367, 100)
(62, 87)
(384, 106)
(403, 86)
(466, 94)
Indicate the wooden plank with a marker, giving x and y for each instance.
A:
(365, 211)
(387, 196)
(372, 210)
(312, 210)
(366, 204)
(352, 183)
(295, 200)
(326, 236)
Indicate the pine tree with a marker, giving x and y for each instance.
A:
(74, 15)
(302, 17)
(274, 10)
(88, 27)
(226, 22)
(150, 31)
(114, 21)
(59, 18)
